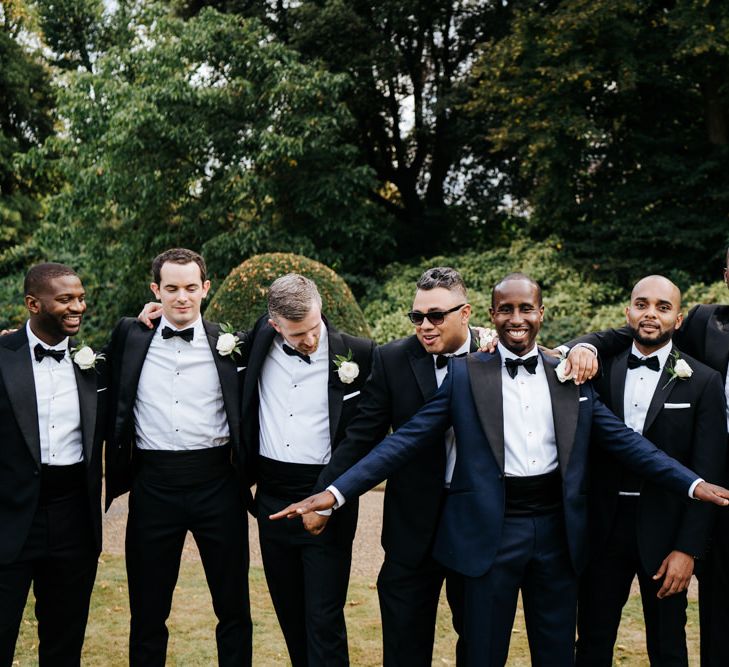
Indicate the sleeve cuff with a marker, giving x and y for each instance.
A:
(341, 499)
(563, 350)
(693, 486)
(590, 347)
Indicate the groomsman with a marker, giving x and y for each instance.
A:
(704, 335)
(636, 528)
(51, 432)
(174, 441)
(301, 389)
(405, 374)
(515, 515)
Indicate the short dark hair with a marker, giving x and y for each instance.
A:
(177, 256)
(292, 297)
(38, 276)
(442, 276)
(517, 276)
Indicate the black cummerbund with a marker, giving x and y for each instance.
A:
(533, 495)
(183, 468)
(288, 481)
(61, 482)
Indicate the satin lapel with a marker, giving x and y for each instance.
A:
(424, 371)
(137, 342)
(336, 388)
(228, 375)
(87, 400)
(565, 411)
(618, 371)
(262, 339)
(717, 341)
(485, 378)
(17, 370)
(660, 395)
(474, 342)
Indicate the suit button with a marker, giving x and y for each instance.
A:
(35, 473)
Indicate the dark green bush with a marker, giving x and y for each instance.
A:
(241, 299)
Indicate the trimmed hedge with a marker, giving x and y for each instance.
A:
(241, 299)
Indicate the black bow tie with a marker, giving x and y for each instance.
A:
(512, 365)
(185, 334)
(41, 353)
(293, 352)
(650, 362)
(442, 359)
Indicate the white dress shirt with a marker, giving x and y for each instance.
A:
(293, 412)
(530, 443)
(450, 436)
(640, 385)
(179, 402)
(59, 412)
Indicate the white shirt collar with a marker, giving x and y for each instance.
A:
(662, 353)
(33, 340)
(508, 354)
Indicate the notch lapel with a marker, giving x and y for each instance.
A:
(485, 379)
(336, 388)
(88, 401)
(17, 370)
(424, 371)
(228, 376)
(565, 411)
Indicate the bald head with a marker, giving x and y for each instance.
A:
(654, 312)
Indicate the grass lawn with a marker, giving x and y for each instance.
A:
(192, 625)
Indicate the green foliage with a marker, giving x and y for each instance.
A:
(241, 298)
(206, 134)
(613, 120)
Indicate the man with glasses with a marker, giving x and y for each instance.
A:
(405, 373)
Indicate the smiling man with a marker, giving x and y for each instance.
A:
(515, 514)
(174, 441)
(51, 432)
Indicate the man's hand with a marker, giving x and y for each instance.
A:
(711, 493)
(5, 332)
(314, 523)
(321, 501)
(151, 311)
(677, 568)
(582, 364)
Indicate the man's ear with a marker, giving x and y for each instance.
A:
(32, 304)
(155, 290)
(205, 288)
(274, 325)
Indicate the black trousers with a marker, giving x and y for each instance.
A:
(159, 517)
(59, 559)
(409, 598)
(604, 590)
(714, 597)
(308, 577)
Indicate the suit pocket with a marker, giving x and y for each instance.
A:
(676, 406)
(346, 397)
(98, 391)
(583, 398)
(240, 368)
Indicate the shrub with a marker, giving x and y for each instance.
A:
(241, 299)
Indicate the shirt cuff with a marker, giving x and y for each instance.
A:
(693, 486)
(590, 347)
(323, 512)
(339, 497)
(563, 350)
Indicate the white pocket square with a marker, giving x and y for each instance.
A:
(676, 406)
(346, 397)
(98, 391)
(583, 398)
(240, 368)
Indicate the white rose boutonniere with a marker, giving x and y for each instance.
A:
(486, 338)
(562, 375)
(347, 369)
(84, 357)
(228, 343)
(678, 368)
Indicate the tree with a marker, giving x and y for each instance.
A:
(612, 121)
(207, 134)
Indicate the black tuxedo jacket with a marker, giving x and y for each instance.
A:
(402, 380)
(704, 335)
(20, 458)
(343, 398)
(127, 351)
(687, 420)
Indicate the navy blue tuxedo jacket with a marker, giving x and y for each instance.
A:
(470, 400)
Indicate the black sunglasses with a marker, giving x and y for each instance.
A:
(435, 317)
